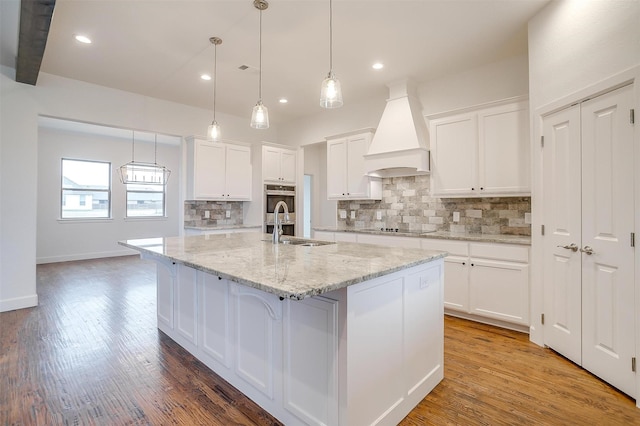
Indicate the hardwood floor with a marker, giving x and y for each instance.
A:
(90, 354)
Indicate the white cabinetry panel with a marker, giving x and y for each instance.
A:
(346, 172)
(278, 165)
(481, 152)
(166, 280)
(214, 321)
(256, 313)
(218, 171)
(310, 360)
(186, 302)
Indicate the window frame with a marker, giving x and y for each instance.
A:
(63, 189)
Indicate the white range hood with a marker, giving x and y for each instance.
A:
(399, 146)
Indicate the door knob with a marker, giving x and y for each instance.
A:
(573, 247)
(588, 250)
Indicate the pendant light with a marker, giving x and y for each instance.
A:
(143, 173)
(330, 91)
(214, 128)
(260, 114)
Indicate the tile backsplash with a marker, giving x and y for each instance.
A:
(408, 205)
(194, 213)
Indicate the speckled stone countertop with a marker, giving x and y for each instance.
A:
(286, 270)
(442, 235)
(221, 227)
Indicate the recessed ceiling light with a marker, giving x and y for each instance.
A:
(206, 77)
(283, 101)
(377, 66)
(82, 38)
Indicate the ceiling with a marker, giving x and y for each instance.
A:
(159, 48)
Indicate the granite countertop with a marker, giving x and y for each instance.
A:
(442, 235)
(220, 227)
(286, 270)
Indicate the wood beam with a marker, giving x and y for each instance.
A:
(35, 20)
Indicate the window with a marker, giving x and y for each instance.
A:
(145, 200)
(86, 189)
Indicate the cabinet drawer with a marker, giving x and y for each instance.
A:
(507, 252)
(456, 248)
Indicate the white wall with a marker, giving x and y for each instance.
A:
(62, 240)
(323, 211)
(498, 80)
(573, 45)
(20, 106)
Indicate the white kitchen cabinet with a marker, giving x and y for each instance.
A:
(278, 164)
(346, 178)
(218, 171)
(486, 281)
(481, 152)
(389, 240)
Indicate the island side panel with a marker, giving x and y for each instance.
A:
(395, 338)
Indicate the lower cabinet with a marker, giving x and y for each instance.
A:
(486, 280)
(190, 231)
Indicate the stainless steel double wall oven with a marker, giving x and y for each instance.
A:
(274, 194)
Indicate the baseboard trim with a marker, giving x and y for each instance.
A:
(85, 256)
(18, 303)
(488, 321)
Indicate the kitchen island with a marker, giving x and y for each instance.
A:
(334, 334)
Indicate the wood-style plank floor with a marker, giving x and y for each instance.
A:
(90, 354)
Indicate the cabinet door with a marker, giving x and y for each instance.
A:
(288, 166)
(499, 290)
(166, 284)
(504, 149)
(238, 176)
(357, 181)
(209, 170)
(186, 303)
(454, 147)
(271, 163)
(456, 284)
(336, 169)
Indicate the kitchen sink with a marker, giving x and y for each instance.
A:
(306, 243)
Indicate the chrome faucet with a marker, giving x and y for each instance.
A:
(277, 224)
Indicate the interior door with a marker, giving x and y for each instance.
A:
(607, 222)
(562, 213)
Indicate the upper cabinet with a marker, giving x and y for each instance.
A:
(218, 171)
(482, 152)
(346, 179)
(278, 165)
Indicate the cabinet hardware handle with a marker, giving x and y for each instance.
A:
(463, 263)
(587, 250)
(573, 247)
(481, 188)
(473, 189)
(473, 264)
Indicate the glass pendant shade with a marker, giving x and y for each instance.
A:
(144, 173)
(330, 92)
(260, 116)
(214, 131)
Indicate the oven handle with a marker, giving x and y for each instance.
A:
(286, 193)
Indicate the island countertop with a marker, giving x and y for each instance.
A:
(286, 270)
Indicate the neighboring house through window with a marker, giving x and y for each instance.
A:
(86, 189)
(145, 200)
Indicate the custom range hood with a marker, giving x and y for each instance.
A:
(399, 146)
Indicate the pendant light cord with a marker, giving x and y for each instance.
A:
(215, 78)
(155, 150)
(133, 146)
(330, 37)
(260, 62)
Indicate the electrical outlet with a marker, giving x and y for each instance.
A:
(353, 214)
(206, 214)
(343, 214)
(379, 215)
(456, 217)
(228, 214)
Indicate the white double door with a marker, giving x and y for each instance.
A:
(588, 191)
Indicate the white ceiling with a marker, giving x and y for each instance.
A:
(159, 48)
